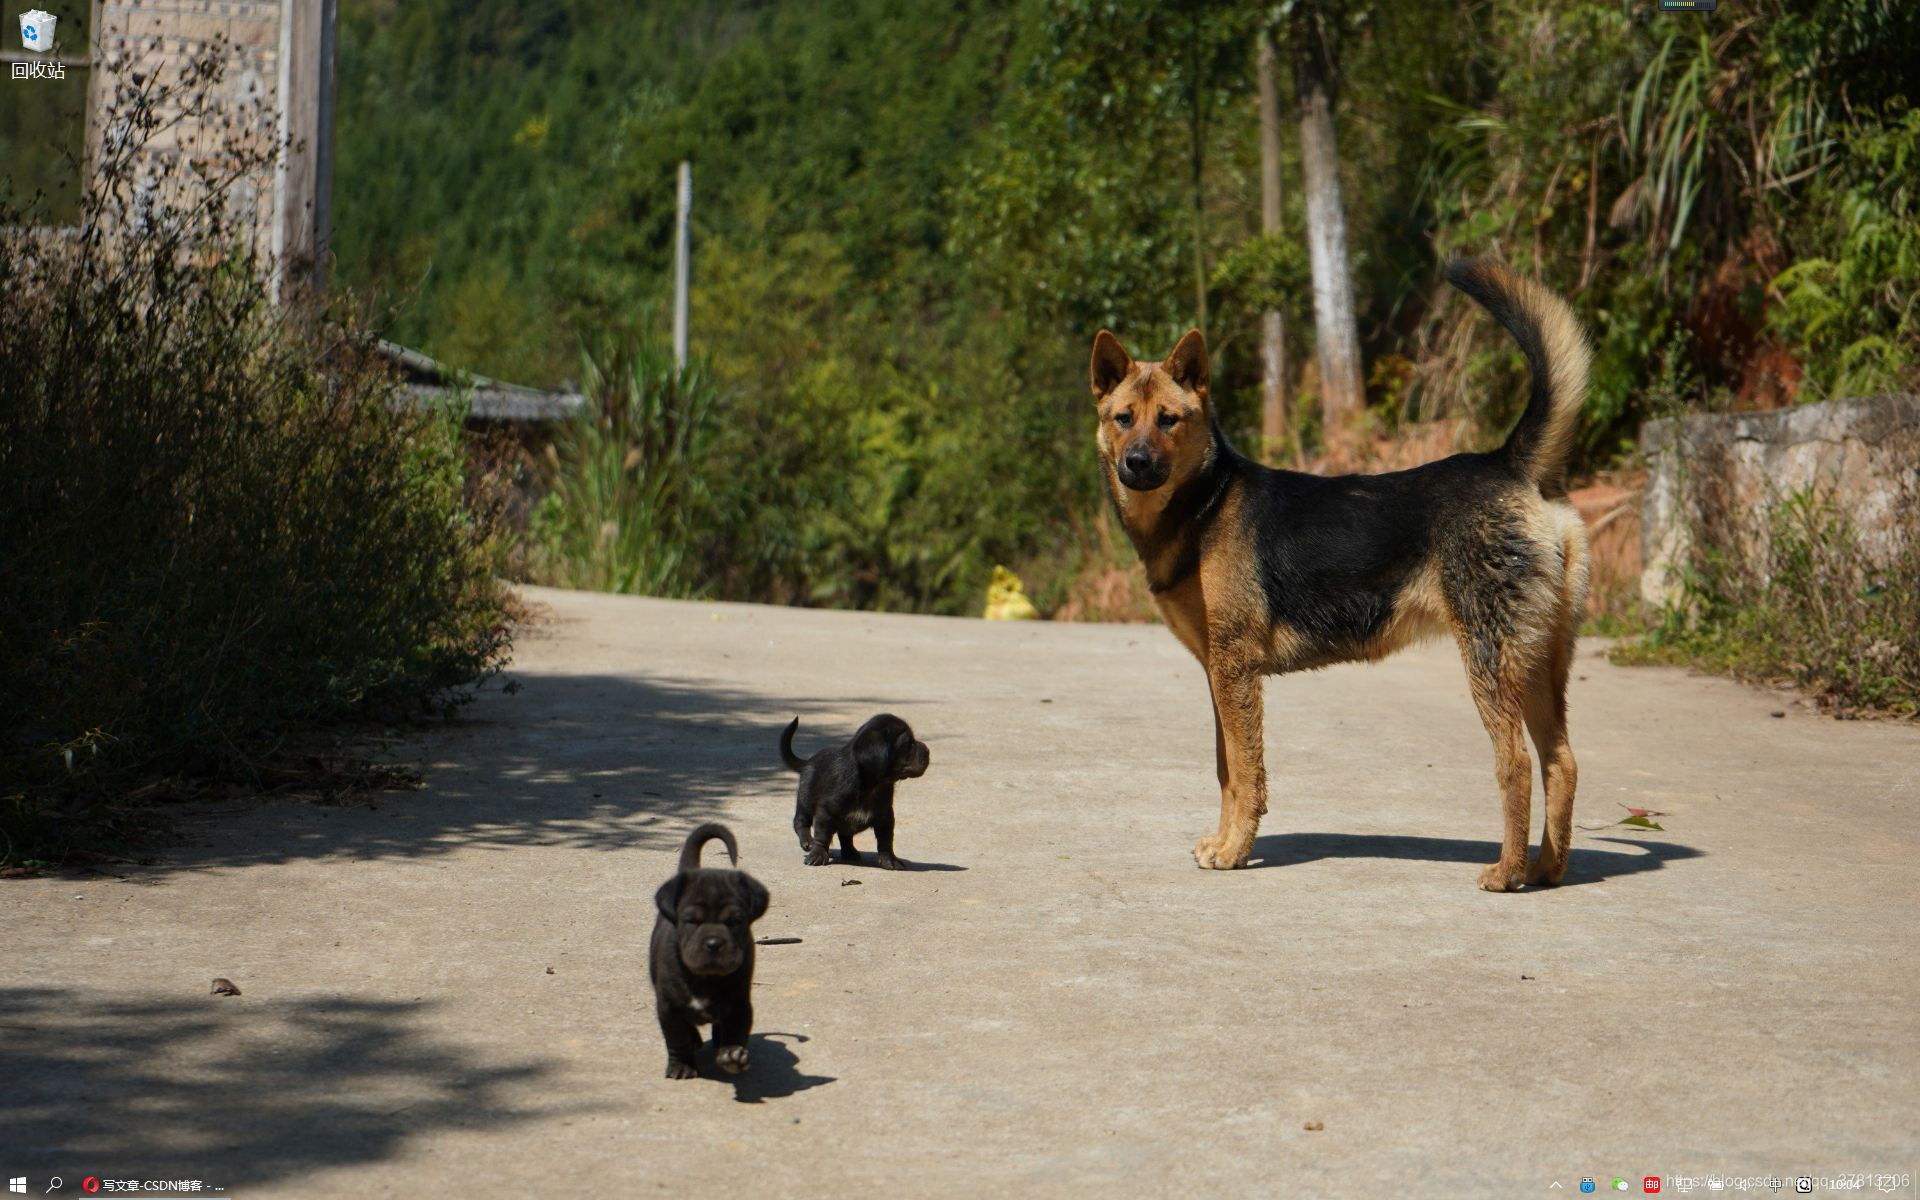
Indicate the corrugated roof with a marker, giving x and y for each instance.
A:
(429, 381)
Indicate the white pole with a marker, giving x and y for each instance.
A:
(682, 261)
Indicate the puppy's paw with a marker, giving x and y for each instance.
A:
(682, 1070)
(1502, 877)
(889, 863)
(816, 857)
(851, 858)
(732, 1059)
(1215, 853)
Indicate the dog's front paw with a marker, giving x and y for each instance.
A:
(816, 857)
(851, 858)
(682, 1070)
(732, 1059)
(889, 863)
(1502, 877)
(1215, 853)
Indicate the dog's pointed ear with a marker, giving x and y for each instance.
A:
(1111, 364)
(1187, 365)
(667, 899)
(754, 895)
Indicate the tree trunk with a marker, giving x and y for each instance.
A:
(1335, 328)
(1198, 132)
(1273, 339)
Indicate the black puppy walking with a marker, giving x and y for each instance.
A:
(701, 960)
(845, 789)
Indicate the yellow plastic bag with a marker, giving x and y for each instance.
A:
(1007, 599)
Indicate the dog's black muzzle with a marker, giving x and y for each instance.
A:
(917, 762)
(710, 950)
(1141, 470)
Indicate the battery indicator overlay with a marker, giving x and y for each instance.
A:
(1689, 5)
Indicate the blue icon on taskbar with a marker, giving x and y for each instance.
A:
(1586, 1185)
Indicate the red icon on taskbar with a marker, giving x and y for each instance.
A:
(89, 1184)
(1651, 1183)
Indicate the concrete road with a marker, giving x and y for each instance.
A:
(445, 994)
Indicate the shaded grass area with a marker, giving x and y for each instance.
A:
(1814, 604)
(220, 530)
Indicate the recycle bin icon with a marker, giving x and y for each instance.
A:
(36, 30)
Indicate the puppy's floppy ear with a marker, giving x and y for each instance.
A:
(667, 899)
(754, 895)
(1187, 365)
(1110, 365)
(872, 752)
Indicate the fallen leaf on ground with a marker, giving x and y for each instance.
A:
(224, 987)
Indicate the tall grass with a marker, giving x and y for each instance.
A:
(217, 525)
(1814, 605)
(628, 484)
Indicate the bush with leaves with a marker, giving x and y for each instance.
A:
(218, 526)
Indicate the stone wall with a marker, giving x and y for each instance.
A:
(262, 125)
(205, 130)
(1727, 471)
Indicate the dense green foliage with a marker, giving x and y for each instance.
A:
(216, 527)
(629, 509)
(909, 221)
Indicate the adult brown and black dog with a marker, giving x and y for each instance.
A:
(1260, 572)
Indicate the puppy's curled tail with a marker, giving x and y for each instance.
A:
(794, 761)
(1557, 355)
(711, 831)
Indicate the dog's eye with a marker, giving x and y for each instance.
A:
(1168, 420)
(1123, 419)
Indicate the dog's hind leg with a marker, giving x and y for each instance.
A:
(822, 834)
(1501, 699)
(847, 853)
(1547, 720)
(804, 808)
(1240, 757)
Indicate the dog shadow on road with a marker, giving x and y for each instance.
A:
(774, 1072)
(1588, 864)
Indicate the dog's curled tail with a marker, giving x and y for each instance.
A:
(794, 761)
(711, 831)
(1557, 355)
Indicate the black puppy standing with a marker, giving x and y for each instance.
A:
(701, 960)
(846, 789)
